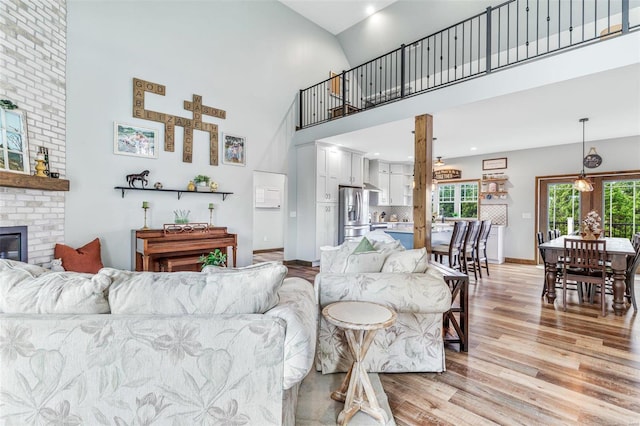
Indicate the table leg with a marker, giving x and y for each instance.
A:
(551, 270)
(618, 291)
(358, 381)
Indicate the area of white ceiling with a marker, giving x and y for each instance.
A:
(534, 118)
(336, 16)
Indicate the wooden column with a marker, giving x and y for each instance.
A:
(422, 177)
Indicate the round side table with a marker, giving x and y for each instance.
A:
(360, 321)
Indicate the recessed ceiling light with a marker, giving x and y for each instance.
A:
(376, 153)
(370, 10)
(473, 148)
(410, 157)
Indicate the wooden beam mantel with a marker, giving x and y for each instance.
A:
(19, 180)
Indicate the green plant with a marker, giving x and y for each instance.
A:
(214, 258)
(201, 178)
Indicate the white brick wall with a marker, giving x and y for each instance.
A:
(32, 59)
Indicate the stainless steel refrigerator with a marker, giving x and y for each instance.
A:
(353, 213)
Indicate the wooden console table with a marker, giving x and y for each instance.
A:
(458, 283)
(153, 246)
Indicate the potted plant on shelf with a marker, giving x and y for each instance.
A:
(202, 182)
(214, 258)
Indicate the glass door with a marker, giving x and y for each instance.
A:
(621, 199)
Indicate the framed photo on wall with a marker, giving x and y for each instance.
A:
(234, 149)
(494, 164)
(134, 140)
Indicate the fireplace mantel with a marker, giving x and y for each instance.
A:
(18, 180)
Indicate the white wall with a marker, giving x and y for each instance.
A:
(525, 165)
(268, 223)
(248, 58)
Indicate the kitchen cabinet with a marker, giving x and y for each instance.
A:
(495, 244)
(326, 226)
(379, 176)
(396, 189)
(316, 209)
(394, 181)
(327, 169)
(350, 168)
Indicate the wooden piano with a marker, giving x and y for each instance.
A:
(152, 247)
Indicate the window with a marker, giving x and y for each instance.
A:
(564, 207)
(621, 208)
(457, 200)
(14, 150)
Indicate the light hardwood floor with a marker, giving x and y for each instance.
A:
(529, 362)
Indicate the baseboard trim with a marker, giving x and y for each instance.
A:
(297, 262)
(519, 261)
(268, 250)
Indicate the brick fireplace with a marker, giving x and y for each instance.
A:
(33, 64)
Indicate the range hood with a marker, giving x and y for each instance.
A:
(371, 188)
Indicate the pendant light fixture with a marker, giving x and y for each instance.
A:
(583, 184)
(438, 162)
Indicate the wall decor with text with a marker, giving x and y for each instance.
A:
(494, 164)
(140, 87)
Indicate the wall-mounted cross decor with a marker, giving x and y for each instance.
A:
(170, 121)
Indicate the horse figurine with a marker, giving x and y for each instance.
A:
(142, 177)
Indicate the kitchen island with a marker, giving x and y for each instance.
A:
(404, 234)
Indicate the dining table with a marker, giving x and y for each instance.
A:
(617, 249)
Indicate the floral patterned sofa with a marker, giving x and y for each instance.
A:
(139, 348)
(392, 276)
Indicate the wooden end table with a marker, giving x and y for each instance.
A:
(360, 322)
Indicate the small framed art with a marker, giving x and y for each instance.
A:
(134, 140)
(494, 164)
(234, 150)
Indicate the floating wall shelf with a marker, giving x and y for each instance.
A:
(179, 191)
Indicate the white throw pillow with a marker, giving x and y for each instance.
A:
(30, 289)
(371, 261)
(247, 291)
(388, 247)
(414, 260)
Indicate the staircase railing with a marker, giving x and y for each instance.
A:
(502, 36)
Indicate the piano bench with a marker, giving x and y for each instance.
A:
(180, 263)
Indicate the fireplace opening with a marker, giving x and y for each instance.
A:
(13, 243)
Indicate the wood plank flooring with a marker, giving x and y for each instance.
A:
(529, 363)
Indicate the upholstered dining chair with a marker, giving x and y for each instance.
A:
(468, 252)
(481, 246)
(453, 249)
(585, 262)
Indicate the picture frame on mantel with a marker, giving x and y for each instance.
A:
(135, 141)
(234, 149)
(494, 163)
(14, 152)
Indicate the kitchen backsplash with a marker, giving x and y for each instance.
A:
(402, 212)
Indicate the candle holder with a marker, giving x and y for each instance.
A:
(210, 215)
(145, 208)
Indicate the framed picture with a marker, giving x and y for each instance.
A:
(234, 150)
(494, 163)
(135, 141)
(14, 143)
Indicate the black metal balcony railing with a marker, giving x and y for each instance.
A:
(502, 36)
(618, 230)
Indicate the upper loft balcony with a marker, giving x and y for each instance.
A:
(501, 37)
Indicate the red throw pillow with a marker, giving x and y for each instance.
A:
(85, 259)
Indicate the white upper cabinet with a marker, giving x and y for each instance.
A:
(350, 169)
(328, 167)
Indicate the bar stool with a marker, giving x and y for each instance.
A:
(453, 249)
(481, 247)
(469, 259)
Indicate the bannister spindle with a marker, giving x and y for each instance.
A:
(344, 93)
(488, 47)
(300, 109)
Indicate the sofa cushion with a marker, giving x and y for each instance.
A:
(388, 247)
(249, 291)
(26, 288)
(84, 259)
(414, 260)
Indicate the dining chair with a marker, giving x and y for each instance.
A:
(481, 246)
(633, 263)
(585, 262)
(553, 234)
(468, 252)
(559, 271)
(453, 249)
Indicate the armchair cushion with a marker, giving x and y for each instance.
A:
(406, 261)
